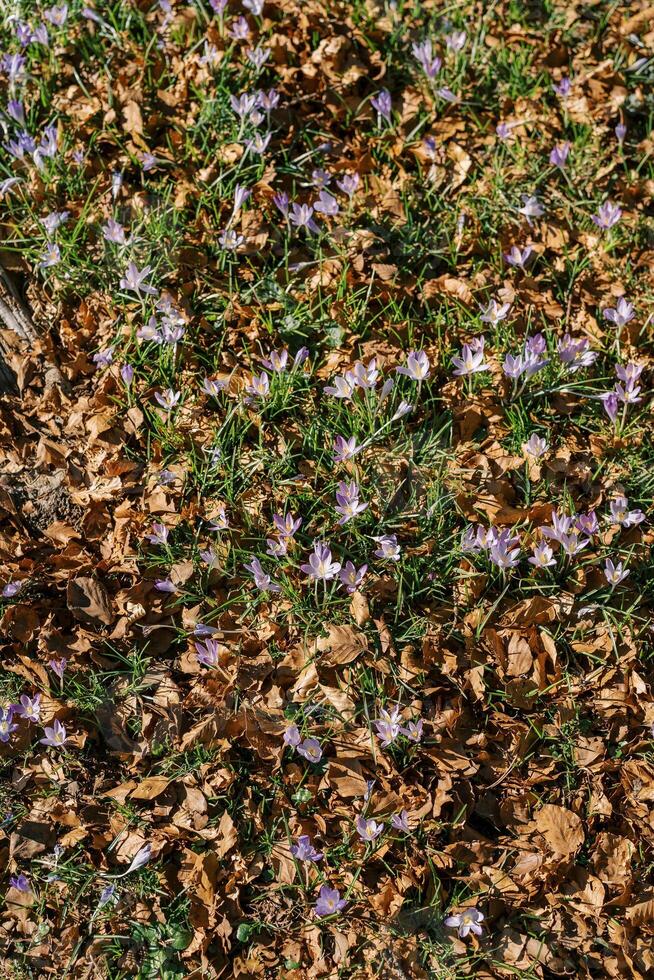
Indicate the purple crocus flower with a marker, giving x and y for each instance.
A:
(471, 359)
(20, 882)
(345, 448)
(518, 257)
(326, 204)
(304, 850)
(114, 232)
(168, 399)
(388, 725)
(621, 314)
(559, 155)
(348, 504)
(348, 184)
(310, 750)
(428, 61)
(614, 574)
(562, 89)
(542, 556)
(620, 132)
(207, 653)
(302, 217)
(287, 526)
(280, 200)
(329, 901)
(417, 366)
(262, 581)
(608, 215)
(400, 821)
(382, 102)
(135, 280)
(58, 667)
(621, 514)
(469, 921)
(351, 576)
(11, 589)
(29, 708)
(292, 736)
(127, 374)
(159, 534)
(320, 565)
(55, 735)
(368, 830)
(7, 725)
(388, 547)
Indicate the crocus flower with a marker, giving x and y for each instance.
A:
(165, 585)
(610, 404)
(212, 387)
(287, 526)
(366, 375)
(348, 504)
(343, 386)
(29, 708)
(107, 895)
(11, 589)
(168, 399)
(58, 667)
(417, 366)
(159, 534)
(262, 581)
(621, 514)
(348, 184)
(351, 576)
(310, 749)
(620, 132)
(259, 385)
(382, 102)
(388, 547)
(326, 204)
(276, 360)
(562, 89)
(621, 314)
(608, 215)
(329, 901)
(345, 448)
(139, 860)
(559, 155)
(320, 565)
(207, 653)
(388, 725)
(292, 736)
(614, 573)
(542, 556)
(304, 850)
(575, 354)
(302, 217)
(368, 830)
(20, 882)
(230, 240)
(135, 280)
(518, 257)
(55, 735)
(471, 359)
(456, 40)
(400, 821)
(424, 55)
(495, 312)
(239, 29)
(7, 725)
(51, 255)
(531, 207)
(469, 921)
(536, 446)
